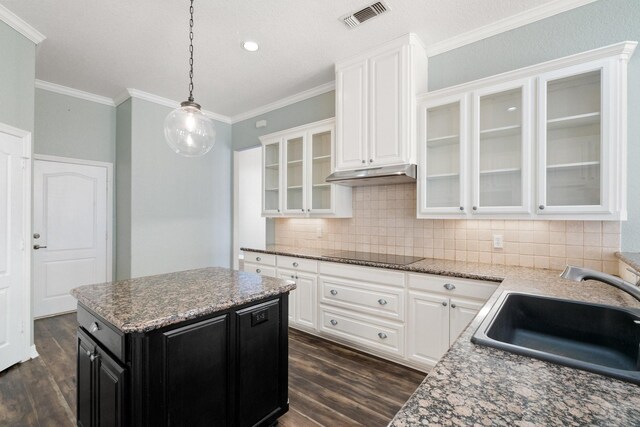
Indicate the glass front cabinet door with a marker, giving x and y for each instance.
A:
(502, 149)
(294, 174)
(319, 192)
(443, 152)
(574, 148)
(271, 177)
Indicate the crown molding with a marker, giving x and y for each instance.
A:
(69, 91)
(509, 23)
(146, 96)
(622, 50)
(301, 96)
(20, 25)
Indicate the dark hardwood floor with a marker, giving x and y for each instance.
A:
(329, 385)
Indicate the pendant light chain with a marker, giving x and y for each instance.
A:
(191, 53)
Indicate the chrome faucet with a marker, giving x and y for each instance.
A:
(578, 274)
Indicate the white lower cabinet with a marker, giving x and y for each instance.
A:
(372, 333)
(435, 322)
(303, 301)
(410, 318)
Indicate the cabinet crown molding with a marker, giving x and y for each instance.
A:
(622, 50)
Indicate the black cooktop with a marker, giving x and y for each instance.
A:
(373, 257)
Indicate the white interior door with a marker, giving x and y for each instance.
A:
(13, 190)
(70, 232)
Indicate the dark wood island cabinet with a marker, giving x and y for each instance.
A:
(207, 348)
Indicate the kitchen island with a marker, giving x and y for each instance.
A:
(198, 347)
(477, 385)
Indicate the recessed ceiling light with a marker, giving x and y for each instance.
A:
(250, 46)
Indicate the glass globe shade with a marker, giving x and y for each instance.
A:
(189, 132)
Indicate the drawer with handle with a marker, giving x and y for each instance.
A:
(301, 264)
(103, 332)
(371, 299)
(260, 258)
(373, 333)
(452, 286)
(260, 269)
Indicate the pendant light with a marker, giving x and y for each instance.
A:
(188, 131)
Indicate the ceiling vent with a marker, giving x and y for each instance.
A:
(363, 15)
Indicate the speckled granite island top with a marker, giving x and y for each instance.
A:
(476, 385)
(147, 303)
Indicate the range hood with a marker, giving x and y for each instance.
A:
(399, 174)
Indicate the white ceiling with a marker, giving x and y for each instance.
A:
(103, 47)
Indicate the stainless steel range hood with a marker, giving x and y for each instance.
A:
(375, 176)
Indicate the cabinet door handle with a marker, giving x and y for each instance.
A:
(475, 208)
(302, 209)
(258, 271)
(382, 301)
(541, 207)
(94, 357)
(461, 208)
(292, 276)
(453, 306)
(308, 210)
(444, 303)
(334, 322)
(94, 327)
(449, 286)
(36, 247)
(370, 160)
(295, 264)
(333, 292)
(382, 335)
(258, 259)
(364, 161)
(88, 353)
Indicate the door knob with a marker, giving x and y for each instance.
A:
(36, 247)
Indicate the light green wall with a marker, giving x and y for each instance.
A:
(245, 133)
(588, 27)
(123, 191)
(71, 127)
(177, 215)
(17, 78)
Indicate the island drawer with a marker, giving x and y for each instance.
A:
(375, 334)
(300, 264)
(371, 299)
(103, 332)
(260, 258)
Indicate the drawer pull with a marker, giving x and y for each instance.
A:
(258, 271)
(453, 306)
(293, 277)
(295, 264)
(94, 327)
(93, 357)
(444, 303)
(382, 301)
(333, 292)
(449, 286)
(382, 335)
(333, 322)
(258, 259)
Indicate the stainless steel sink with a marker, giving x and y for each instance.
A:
(593, 337)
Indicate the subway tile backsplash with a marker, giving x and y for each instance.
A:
(384, 221)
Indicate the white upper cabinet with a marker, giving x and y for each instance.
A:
(375, 105)
(546, 141)
(501, 154)
(580, 148)
(296, 163)
(442, 150)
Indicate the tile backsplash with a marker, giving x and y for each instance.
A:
(384, 221)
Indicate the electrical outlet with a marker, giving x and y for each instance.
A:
(498, 241)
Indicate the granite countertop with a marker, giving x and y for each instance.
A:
(630, 258)
(147, 303)
(476, 385)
